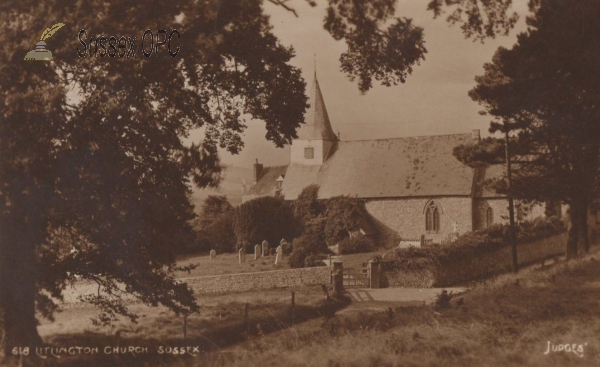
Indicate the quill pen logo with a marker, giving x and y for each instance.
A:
(40, 53)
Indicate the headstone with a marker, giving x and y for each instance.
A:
(279, 255)
(213, 254)
(265, 248)
(242, 255)
(257, 250)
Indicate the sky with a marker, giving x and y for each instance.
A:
(433, 101)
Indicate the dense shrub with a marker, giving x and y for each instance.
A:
(476, 253)
(213, 227)
(312, 261)
(220, 233)
(286, 248)
(307, 206)
(356, 245)
(311, 242)
(265, 218)
(327, 222)
(344, 216)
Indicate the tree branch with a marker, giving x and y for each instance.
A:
(282, 4)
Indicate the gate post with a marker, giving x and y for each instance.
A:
(374, 274)
(338, 277)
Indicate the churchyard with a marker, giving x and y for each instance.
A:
(227, 263)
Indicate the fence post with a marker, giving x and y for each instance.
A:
(325, 291)
(185, 317)
(338, 277)
(422, 240)
(293, 307)
(374, 274)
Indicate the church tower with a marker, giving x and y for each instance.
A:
(316, 140)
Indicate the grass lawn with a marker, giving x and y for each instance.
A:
(220, 323)
(360, 260)
(228, 264)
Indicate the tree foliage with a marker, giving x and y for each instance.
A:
(214, 226)
(264, 218)
(344, 216)
(545, 90)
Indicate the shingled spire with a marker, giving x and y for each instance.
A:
(317, 125)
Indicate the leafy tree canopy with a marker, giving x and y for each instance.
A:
(545, 92)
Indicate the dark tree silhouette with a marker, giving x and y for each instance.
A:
(546, 89)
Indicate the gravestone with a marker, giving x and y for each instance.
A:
(242, 255)
(265, 248)
(279, 255)
(257, 250)
(213, 254)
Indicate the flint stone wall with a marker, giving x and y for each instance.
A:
(259, 280)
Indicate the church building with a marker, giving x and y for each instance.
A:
(412, 186)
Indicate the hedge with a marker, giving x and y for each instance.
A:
(475, 255)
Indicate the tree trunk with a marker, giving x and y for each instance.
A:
(22, 229)
(578, 236)
(573, 239)
(584, 238)
(511, 206)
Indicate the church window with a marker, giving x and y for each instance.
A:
(309, 153)
(432, 218)
(489, 216)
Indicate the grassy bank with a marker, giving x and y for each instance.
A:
(504, 322)
(222, 322)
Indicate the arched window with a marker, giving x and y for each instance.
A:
(432, 218)
(489, 217)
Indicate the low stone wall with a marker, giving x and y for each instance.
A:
(426, 273)
(259, 280)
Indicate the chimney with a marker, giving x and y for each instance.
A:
(475, 135)
(258, 168)
(339, 136)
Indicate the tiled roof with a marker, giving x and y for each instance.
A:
(267, 182)
(317, 125)
(400, 167)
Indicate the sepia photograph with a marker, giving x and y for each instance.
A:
(328, 183)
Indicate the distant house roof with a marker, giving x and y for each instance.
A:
(267, 182)
(317, 125)
(386, 168)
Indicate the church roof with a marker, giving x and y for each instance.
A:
(387, 168)
(316, 125)
(267, 182)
